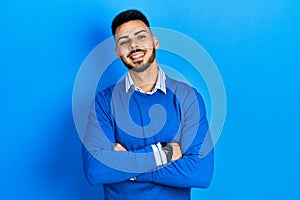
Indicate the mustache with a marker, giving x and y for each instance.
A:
(135, 51)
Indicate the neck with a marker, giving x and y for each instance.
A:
(145, 80)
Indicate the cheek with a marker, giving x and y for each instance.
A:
(124, 58)
(148, 44)
(150, 50)
(123, 52)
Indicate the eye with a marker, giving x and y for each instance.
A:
(140, 37)
(122, 43)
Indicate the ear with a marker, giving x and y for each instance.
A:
(118, 53)
(156, 42)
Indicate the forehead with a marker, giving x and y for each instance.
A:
(131, 27)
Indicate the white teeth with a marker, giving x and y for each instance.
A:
(137, 56)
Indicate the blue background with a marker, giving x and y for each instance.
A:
(255, 45)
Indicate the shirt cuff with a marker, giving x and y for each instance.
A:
(159, 154)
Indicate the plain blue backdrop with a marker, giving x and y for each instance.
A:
(255, 45)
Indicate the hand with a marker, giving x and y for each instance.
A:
(177, 154)
(119, 147)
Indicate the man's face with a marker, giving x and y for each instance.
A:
(135, 45)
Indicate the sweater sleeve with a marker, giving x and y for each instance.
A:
(195, 168)
(103, 165)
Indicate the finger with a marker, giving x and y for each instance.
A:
(119, 147)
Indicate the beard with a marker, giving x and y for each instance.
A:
(140, 67)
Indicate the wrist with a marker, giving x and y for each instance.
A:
(167, 148)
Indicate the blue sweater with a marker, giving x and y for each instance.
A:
(137, 121)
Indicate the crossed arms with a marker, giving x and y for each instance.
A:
(107, 161)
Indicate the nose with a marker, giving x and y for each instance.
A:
(133, 44)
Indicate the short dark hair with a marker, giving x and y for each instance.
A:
(127, 16)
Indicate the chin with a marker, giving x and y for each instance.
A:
(141, 68)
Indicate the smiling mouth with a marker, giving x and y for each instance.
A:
(137, 55)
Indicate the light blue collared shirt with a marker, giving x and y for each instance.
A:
(160, 83)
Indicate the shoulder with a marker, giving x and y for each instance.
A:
(107, 93)
(180, 88)
(184, 93)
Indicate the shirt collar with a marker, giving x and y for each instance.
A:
(160, 83)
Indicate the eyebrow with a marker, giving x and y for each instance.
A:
(136, 33)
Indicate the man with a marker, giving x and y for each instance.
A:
(145, 133)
